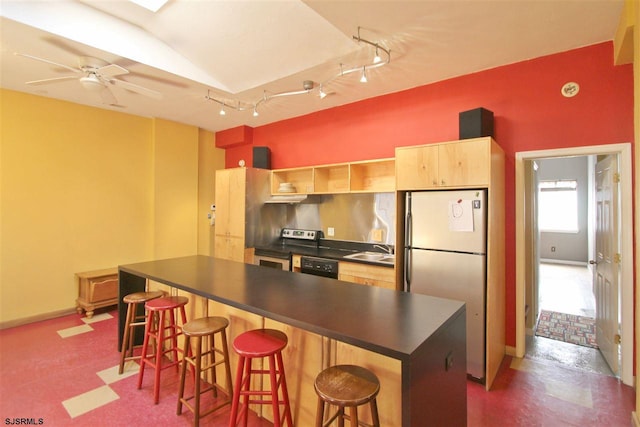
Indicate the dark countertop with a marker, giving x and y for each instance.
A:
(328, 249)
(385, 321)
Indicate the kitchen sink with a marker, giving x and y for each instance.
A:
(373, 257)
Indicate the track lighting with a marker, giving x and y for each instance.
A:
(377, 59)
(363, 79)
(309, 86)
(322, 93)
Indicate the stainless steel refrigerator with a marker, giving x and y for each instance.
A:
(445, 256)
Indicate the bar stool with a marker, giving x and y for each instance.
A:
(199, 328)
(132, 321)
(157, 329)
(256, 344)
(346, 386)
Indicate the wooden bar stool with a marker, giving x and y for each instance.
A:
(132, 321)
(257, 344)
(199, 328)
(158, 330)
(346, 386)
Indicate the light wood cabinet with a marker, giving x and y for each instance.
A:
(471, 163)
(367, 176)
(96, 289)
(238, 193)
(455, 164)
(366, 274)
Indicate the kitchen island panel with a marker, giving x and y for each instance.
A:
(305, 356)
(387, 370)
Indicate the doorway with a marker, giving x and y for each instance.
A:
(527, 251)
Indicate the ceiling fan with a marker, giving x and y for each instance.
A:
(95, 75)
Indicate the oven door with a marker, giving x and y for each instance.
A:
(277, 261)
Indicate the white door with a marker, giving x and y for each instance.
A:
(606, 262)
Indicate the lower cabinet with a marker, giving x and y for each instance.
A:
(367, 274)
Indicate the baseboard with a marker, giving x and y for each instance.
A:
(562, 261)
(37, 318)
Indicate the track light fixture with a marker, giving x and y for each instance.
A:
(363, 79)
(309, 86)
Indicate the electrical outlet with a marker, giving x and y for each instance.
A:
(331, 231)
(448, 361)
(553, 248)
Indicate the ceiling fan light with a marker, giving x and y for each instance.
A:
(91, 82)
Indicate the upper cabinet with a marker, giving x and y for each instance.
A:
(357, 177)
(239, 191)
(455, 164)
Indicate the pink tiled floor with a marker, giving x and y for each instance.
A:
(39, 370)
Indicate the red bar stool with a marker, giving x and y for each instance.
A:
(346, 386)
(160, 331)
(133, 321)
(197, 329)
(257, 344)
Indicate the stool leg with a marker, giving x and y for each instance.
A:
(212, 361)
(183, 374)
(156, 382)
(145, 344)
(320, 412)
(246, 387)
(125, 338)
(353, 414)
(227, 365)
(198, 368)
(341, 417)
(374, 413)
(274, 390)
(236, 393)
(285, 393)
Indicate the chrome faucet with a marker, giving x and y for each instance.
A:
(387, 248)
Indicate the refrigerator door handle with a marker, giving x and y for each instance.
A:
(407, 270)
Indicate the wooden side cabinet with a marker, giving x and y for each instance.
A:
(96, 289)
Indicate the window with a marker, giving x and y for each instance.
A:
(558, 206)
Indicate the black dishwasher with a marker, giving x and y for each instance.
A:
(319, 266)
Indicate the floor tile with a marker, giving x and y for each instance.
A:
(75, 330)
(97, 318)
(89, 401)
(569, 393)
(111, 375)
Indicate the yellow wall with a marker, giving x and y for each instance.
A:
(210, 159)
(84, 188)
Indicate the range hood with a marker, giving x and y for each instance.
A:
(287, 198)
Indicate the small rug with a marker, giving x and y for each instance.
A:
(569, 328)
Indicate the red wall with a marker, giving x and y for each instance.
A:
(530, 114)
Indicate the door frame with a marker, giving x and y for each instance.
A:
(623, 152)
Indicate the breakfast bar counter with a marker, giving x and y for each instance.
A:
(425, 334)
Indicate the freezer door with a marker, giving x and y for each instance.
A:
(460, 277)
(448, 220)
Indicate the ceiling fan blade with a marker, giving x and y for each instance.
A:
(75, 70)
(108, 97)
(52, 80)
(111, 70)
(135, 88)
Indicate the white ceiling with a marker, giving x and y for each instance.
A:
(239, 50)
